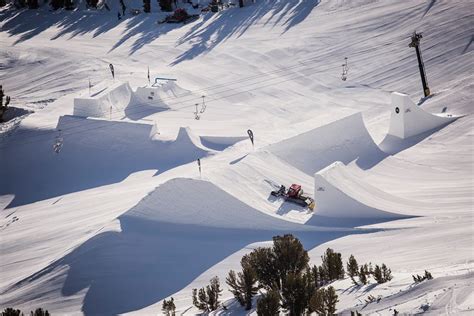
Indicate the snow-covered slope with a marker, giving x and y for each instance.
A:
(122, 218)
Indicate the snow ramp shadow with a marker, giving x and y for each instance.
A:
(180, 230)
(94, 153)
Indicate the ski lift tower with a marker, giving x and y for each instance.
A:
(415, 42)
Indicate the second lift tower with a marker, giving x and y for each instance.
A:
(415, 42)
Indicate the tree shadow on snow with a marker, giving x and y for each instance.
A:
(27, 24)
(213, 30)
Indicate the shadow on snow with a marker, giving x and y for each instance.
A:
(213, 30)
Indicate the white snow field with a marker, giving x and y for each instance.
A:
(121, 217)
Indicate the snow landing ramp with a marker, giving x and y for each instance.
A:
(408, 119)
(410, 124)
(344, 140)
(119, 100)
(343, 198)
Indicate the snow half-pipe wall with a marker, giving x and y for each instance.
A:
(344, 140)
(407, 119)
(342, 199)
(111, 100)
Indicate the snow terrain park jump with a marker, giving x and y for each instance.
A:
(267, 157)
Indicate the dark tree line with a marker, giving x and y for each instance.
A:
(165, 5)
(381, 274)
(16, 312)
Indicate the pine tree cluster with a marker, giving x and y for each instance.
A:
(92, 3)
(282, 271)
(418, 278)
(323, 302)
(168, 307)
(58, 4)
(331, 268)
(207, 298)
(16, 312)
(381, 273)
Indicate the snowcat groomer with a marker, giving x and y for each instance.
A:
(294, 194)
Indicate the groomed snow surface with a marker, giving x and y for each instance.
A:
(121, 217)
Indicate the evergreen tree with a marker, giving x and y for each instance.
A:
(40, 312)
(323, 275)
(386, 273)
(262, 262)
(168, 307)
(315, 276)
(317, 303)
(244, 284)
(378, 274)
(369, 268)
(296, 292)
(290, 256)
(428, 275)
(330, 300)
(363, 275)
(269, 304)
(19, 4)
(147, 6)
(69, 4)
(32, 4)
(11, 312)
(166, 5)
(92, 3)
(332, 265)
(352, 267)
(207, 299)
(56, 4)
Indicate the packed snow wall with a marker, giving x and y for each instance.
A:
(104, 103)
(407, 119)
(120, 100)
(344, 140)
(339, 193)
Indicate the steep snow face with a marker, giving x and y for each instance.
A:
(407, 119)
(123, 217)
